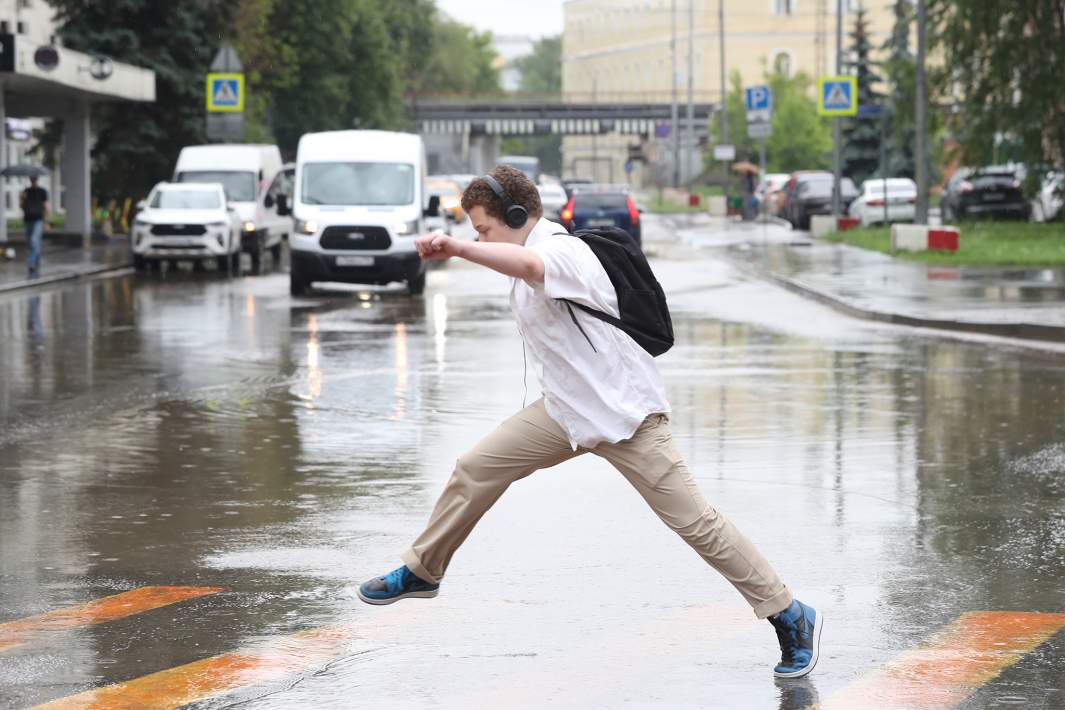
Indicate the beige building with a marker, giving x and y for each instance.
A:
(620, 50)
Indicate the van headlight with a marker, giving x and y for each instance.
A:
(405, 229)
(248, 226)
(218, 224)
(306, 226)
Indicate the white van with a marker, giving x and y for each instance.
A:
(252, 177)
(359, 203)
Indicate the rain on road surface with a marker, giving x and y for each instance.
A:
(194, 472)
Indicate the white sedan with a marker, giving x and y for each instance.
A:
(895, 204)
(1050, 199)
(553, 198)
(187, 221)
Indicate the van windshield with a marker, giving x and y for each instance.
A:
(357, 184)
(239, 186)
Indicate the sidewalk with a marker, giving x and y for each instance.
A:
(1011, 302)
(61, 261)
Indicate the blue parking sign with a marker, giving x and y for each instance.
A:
(759, 98)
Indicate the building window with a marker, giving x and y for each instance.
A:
(783, 7)
(782, 63)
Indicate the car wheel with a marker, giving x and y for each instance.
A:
(257, 252)
(235, 264)
(275, 251)
(297, 286)
(416, 286)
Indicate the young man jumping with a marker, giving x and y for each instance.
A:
(602, 394)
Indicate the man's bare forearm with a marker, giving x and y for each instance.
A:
(508, 259)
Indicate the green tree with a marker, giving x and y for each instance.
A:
(1002, 68)
(861, 137)
(137, 143)
(541, 69)
(269, 64)
(358, 77)
(801, 139)
(462, 61)
(899, 71)
(541, 73)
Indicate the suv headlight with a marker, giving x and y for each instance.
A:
(220, 223)
(405, 229)
(306, 226)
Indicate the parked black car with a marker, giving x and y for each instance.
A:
(593, 206)
(978, 192)
(810, 192)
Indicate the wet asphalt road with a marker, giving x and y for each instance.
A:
(263, 453)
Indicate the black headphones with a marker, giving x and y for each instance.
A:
(514, 215)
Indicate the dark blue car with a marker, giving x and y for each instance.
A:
(591, 207)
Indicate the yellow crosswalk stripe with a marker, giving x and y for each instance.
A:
(967, 653)
(199, 680)
(135, 601)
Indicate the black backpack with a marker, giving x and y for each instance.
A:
(641, 301)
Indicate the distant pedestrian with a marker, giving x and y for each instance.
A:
(603, 394)
(35, 214)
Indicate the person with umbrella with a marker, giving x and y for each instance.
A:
(750, 173)
(35, 214)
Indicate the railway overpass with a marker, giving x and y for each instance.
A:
(464, 134)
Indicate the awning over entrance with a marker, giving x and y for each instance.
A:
(45, 80)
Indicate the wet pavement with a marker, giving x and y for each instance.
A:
(61, 261)
(194, 471)
(876, 282)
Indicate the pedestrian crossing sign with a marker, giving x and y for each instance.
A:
(837, 96)
(225, 92)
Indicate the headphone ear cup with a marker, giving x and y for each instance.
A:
(516, 216)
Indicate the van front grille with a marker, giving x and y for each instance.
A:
(355, 237)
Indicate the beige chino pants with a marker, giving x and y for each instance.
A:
(530, 440)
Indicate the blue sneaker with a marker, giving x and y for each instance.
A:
(398, 584)
(799, 632)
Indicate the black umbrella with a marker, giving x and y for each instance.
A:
(24, 171)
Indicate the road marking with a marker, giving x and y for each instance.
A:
(15, 633)
(199, 680)
(967, 653)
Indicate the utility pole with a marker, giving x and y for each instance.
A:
(691, 100)
(674, 128)
(724, 95)
(837, 128)
(921, 111)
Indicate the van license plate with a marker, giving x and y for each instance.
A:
(354, 261)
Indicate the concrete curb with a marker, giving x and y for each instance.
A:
(1022, 331)
(66, 276)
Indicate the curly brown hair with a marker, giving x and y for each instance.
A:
(521, 190)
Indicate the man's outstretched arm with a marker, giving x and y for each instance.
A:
(508, 259)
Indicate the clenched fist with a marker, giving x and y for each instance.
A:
(436, 245)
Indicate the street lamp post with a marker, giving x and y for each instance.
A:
(837, 129)
(691, 100)
(921, 118)
(724, 96)
(674, 128)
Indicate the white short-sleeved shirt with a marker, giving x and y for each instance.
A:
(600, 395)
